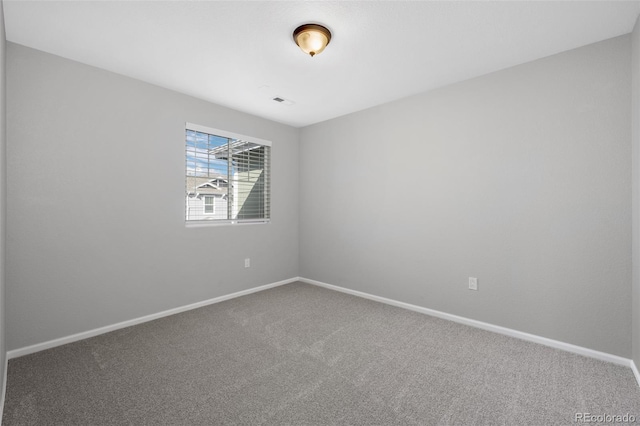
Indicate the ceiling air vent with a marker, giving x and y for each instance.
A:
(283, 101)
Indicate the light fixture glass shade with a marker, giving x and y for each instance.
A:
(312, 38)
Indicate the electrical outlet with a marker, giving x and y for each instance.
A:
(473, 283)
(247, 262)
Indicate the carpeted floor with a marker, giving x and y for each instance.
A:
(303, 355)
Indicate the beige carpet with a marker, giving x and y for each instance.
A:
(303, 355)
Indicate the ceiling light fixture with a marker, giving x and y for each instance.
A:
(312, 38)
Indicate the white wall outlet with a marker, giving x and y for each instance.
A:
(247, 262)
(473, 283)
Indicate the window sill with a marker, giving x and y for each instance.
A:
(208, 223)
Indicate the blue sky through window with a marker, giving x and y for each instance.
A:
(200, 161)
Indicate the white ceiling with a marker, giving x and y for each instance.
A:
(241, 54)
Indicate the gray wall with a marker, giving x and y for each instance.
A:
(635, 142)
(521, 178)
(95, 202)
(3, 186)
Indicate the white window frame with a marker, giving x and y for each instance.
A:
(229, 135)
(212, 205)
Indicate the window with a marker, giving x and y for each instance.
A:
(208, 204)
(227, 176)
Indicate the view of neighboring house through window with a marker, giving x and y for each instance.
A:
(227, 176)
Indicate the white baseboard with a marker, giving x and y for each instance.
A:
(603, 356)
(97, 331)
(635, 371)
(4, 386)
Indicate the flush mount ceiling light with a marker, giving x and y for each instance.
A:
(312, 38)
